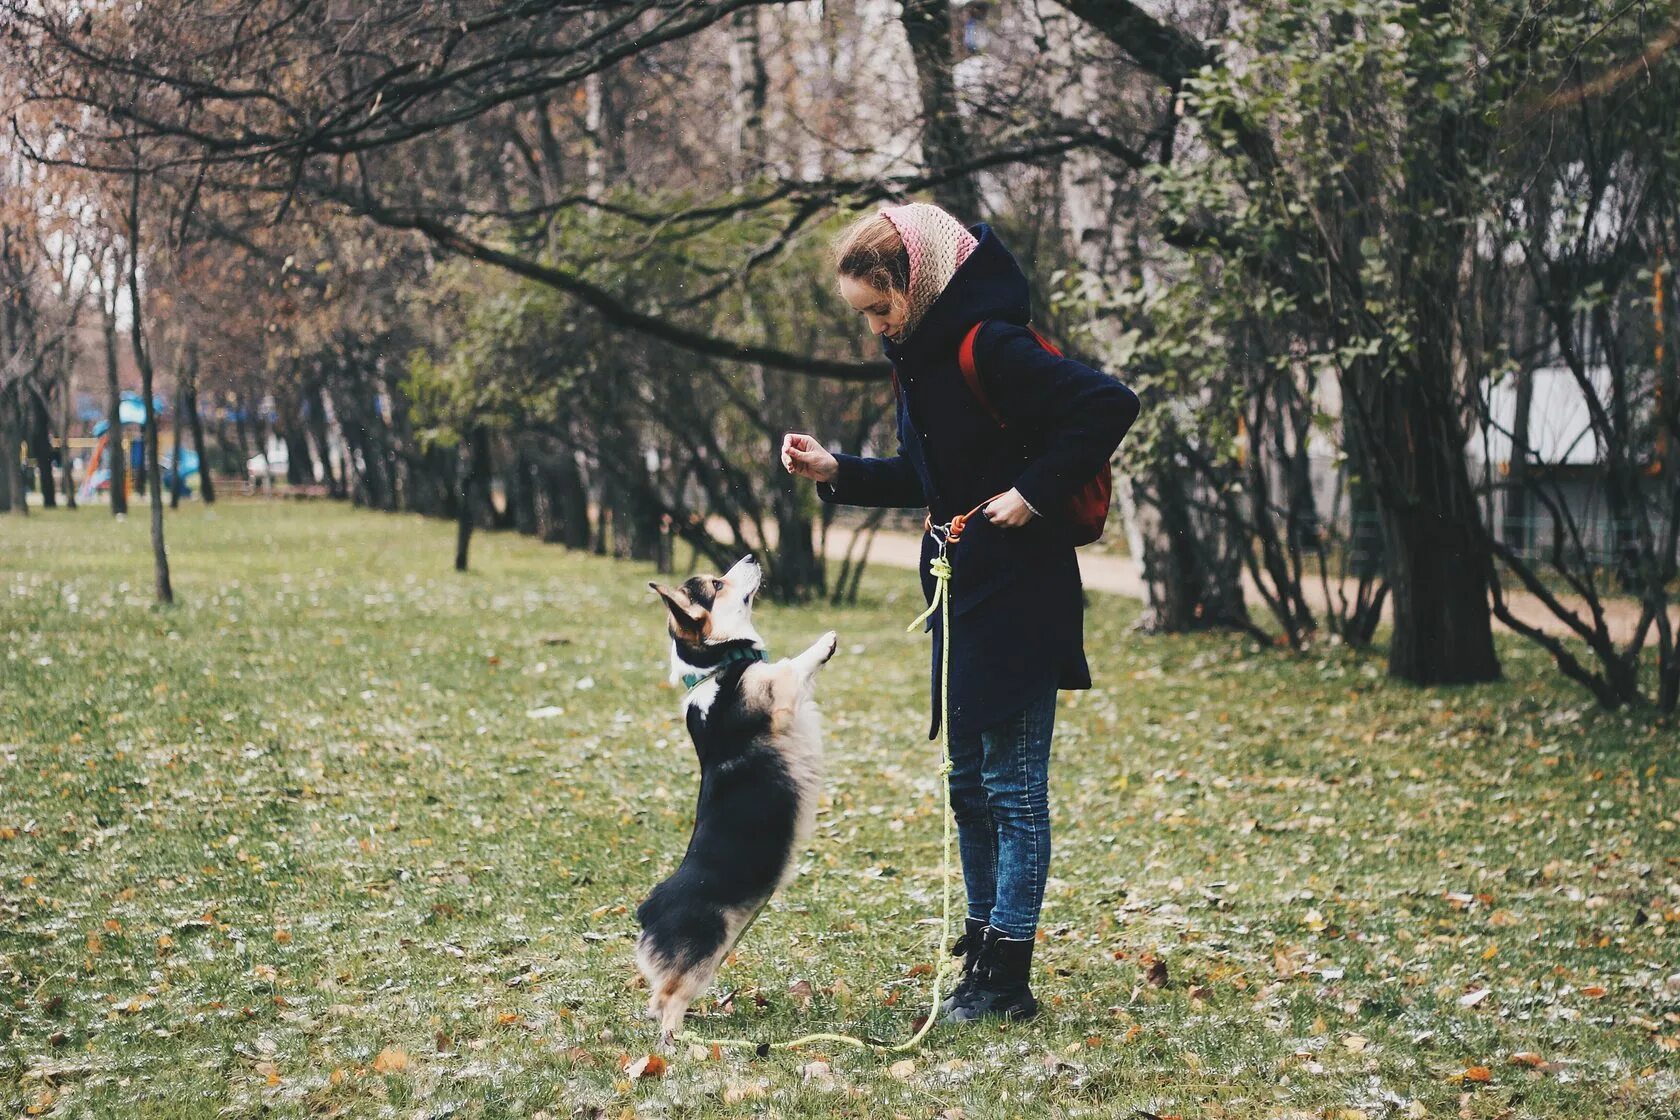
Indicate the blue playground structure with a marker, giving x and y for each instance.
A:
(131, 412)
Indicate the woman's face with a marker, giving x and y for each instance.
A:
(885, 315)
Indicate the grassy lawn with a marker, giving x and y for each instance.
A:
(299, 846)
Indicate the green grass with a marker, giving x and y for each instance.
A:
(303, 819)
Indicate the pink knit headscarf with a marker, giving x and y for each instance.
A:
(938, 244)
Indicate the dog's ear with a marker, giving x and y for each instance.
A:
(683, 615)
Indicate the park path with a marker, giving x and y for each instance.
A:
(1120, 575)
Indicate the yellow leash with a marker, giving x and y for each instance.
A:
(940, 567)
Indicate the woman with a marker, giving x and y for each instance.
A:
(1017, 612)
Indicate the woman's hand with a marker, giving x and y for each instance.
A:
(1009, 510)
(805, 457)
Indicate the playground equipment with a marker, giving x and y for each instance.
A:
(131, 412)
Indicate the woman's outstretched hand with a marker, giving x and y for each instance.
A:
(805, 457)
(1009, 510)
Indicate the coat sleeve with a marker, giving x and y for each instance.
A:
(874, 482)
(1077, 414)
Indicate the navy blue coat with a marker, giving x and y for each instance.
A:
(1017, 607)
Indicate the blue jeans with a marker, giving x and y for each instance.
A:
(1000, 797)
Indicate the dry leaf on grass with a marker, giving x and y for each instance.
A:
(391, 1060)
(649, 1065)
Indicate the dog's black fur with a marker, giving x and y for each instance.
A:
(756, 735)
(743, 828)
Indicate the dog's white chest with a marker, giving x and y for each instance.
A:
(701, 697)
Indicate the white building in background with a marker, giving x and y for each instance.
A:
(1565, 455)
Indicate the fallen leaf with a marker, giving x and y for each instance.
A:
(391, 1060)
(902, 1070)
(1478, 1074)
(1471, 999)
(1158, 974)
(1593, 991)
(649, 1065)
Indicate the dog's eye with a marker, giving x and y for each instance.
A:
(717, 585)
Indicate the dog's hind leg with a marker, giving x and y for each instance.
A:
(648, 962)
(678, 992)
(679, 989)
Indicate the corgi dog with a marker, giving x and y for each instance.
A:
(758, 736)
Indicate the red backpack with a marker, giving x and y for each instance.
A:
(1086, 510)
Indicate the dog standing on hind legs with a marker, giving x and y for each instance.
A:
(758, 736)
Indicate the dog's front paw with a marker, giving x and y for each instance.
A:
(828, 643)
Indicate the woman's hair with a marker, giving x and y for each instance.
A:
(871, 250)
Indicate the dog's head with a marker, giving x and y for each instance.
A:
(708, 612)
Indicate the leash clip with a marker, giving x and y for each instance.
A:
(943, 535)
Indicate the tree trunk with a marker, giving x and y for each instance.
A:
(160, 555)
(177, 483)
(243, 434)
(483, 479)
(522, 491)
(315, 403)
(300, 459)
(10, 452)
(466, 466)
(565, 502)
(117, 455)
(1439, 563)
(927, 25)
(1192, 569)
(41, 448)
(206, 485)
(67, 461)
(751, 83)
(1514, 528)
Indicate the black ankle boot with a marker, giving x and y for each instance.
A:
(968, 948)
(1000, 981)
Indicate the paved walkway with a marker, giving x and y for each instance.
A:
(1120, 575)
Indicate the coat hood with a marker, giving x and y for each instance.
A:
(988, 285)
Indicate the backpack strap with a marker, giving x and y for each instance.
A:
(971, 374)
(965, 359)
